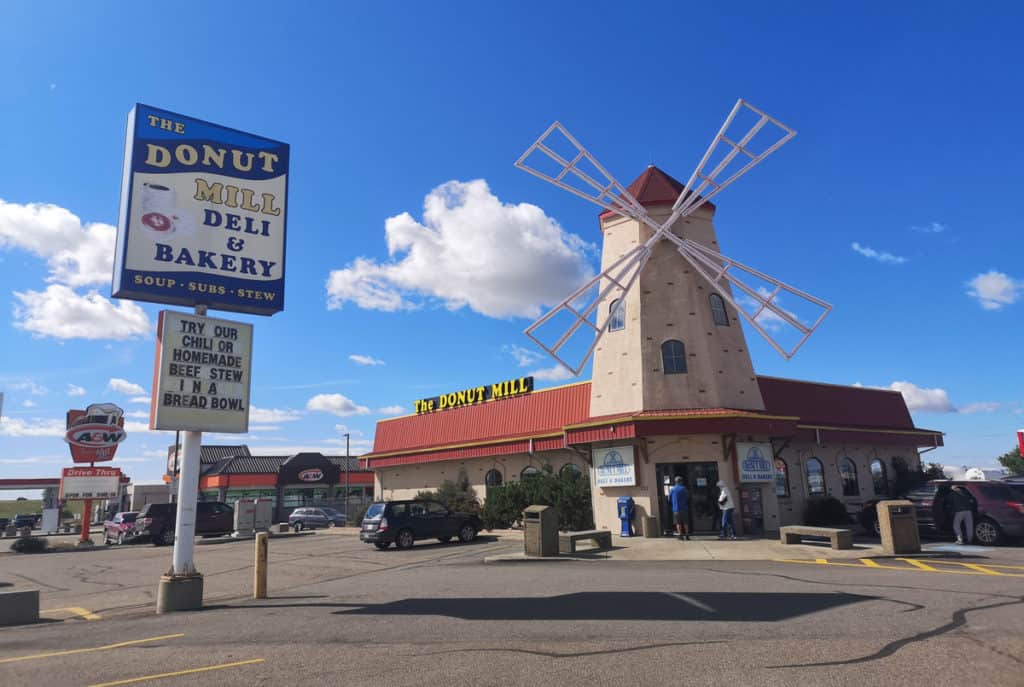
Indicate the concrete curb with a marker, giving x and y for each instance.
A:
(19, 607)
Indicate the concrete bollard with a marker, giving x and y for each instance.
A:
(19, 608)
(260, 572)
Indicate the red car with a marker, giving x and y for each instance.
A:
(120, 528)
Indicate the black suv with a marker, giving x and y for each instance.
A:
(156, 521)
(404, 522)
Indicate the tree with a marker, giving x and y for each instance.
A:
(1013, 461)
(457, 496)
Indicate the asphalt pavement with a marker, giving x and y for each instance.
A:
(343, 613)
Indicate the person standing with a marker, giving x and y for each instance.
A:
(680, 499)
(728, 506)
(963, 513)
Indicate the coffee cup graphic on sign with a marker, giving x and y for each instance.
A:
(160, 212)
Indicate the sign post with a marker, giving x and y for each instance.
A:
(202, 224)
(93, 435)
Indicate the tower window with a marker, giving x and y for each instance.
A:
(617, 320)
(673, 357)
(718, 311)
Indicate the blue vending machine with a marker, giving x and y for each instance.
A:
(626, 515)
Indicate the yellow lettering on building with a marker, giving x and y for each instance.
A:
(207, 193)
(157, 156)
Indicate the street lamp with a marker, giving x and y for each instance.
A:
(346, 478)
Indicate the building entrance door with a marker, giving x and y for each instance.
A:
(700, 480)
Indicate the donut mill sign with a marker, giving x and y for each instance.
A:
(614, 466)
(202, 218)
(756, 462)
(202, 374)
(474, 395)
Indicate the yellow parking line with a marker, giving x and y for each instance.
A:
(176, 673)
(919, 564)
(980, 568)
(870, 563)
(821, 561)
(105, 647)
(77, 610)
(915, 566)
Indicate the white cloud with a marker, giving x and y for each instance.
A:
(31, 387)
(138, 414)
(500, 260)
(37, 427)
(391, 410)
(28, 403)
(926, 400)
(266, 415)
(982, 407)
(78, 254)
(64, 314)
(123, 386)
(995, 289)
(524, 356)
(933, 228)
(140, 399)
(365, 360)
(342, 429)
(878, 255)
(75, 390)
(336, 404)
(552, 374)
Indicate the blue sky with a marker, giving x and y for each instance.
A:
(898, 198)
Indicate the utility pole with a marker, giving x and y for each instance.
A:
(346, 477)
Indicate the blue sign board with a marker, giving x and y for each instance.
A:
(203, 215)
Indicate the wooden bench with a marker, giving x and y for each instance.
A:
(567, 540)
(839, 538)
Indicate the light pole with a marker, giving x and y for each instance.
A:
(346, 478)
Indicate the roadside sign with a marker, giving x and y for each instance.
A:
(86, 483)
(203, 215)
(203, 373)
(95, 433)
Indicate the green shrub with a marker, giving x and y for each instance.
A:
(29, 545)
(569, 493)
(826, 512)
(457, 496)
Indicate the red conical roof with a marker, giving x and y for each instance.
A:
(655, 187)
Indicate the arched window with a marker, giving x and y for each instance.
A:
(718, 311)
(673, 357)
(815, 477)
(781, 478)
(848, 475)
(529, 471)
(493, 478)
(879, 477)
(571, 470)
(618, 316)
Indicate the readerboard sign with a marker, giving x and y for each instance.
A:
(89, 483)
(756, 462)
(614, 466)
(202, 374)
(203, 210)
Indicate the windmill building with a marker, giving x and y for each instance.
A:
(673, 390)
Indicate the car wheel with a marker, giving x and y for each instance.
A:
(444, 540)
(120, 538)
(405, 539)
(106, 539)
(331, 523)
(876, 527)
(297, 526)
(381, 545)
(987, 532)
(467, 533)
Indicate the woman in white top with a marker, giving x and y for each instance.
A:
(726, 503)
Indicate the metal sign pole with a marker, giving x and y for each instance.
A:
(346, 478)
(188, 497)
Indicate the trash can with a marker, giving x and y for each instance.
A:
(649, 526)
(626, 508)
(540, 531)
(897, 524)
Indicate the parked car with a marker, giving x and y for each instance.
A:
(25, 520)
(311, 518)
(120, 528)
(406, 522)
(999, 513)
(156, 521)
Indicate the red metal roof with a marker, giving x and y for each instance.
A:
(655, 187)
(832, 405)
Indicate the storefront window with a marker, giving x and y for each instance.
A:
(296, 498)
(493, 478)
(815, 477)
(848, 474)
(781, 478)
(571, 470)
(529, 471)
(879, 477)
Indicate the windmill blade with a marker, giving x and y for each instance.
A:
(582, 306)
(703, 184)
(595, 183)
(723, 272)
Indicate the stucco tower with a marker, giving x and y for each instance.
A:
(669, 303)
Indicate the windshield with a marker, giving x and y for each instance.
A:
(129, 517)
(375, 511)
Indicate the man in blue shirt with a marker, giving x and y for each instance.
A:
(680, 499)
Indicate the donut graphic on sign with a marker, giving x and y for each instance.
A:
(161, 215)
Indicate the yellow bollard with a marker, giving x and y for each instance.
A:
(260, 578)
